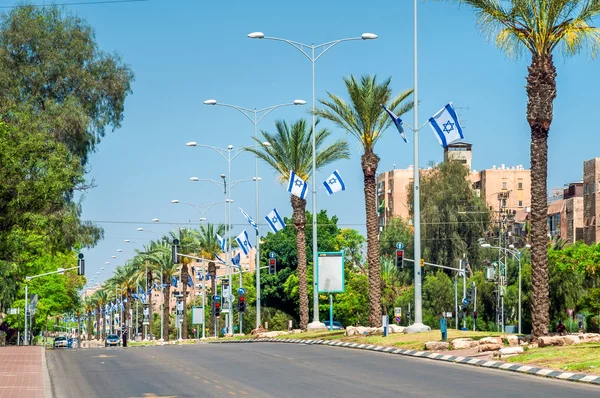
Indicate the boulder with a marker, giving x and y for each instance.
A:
(510, 351)
(589, 337)
(463, 343)
(490, 340)
(570, 339)
(361, 330)
(297, 331)
(258, 330)
(436, 345)
(271, 334)
(350, 331)
(488, 347)
(513, 340)
(396, 329)
(547, 341)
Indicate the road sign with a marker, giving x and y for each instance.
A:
(217, 298)
(397, 319)
(397, 311)
(465, 301)
(272, 255)
(399, 245)
(241, 291)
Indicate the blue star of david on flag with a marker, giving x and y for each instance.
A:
(446, 126)
(275, 221)
(334, 183)
(244, 242)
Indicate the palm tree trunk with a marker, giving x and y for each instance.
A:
(150, 308)
(98, 337)
(299, 217)
(184, 276)
(369, 163)
(166, 310)
(541, 91)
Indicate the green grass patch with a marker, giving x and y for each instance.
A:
(572, 358)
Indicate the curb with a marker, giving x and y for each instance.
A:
(513, 367)
(47, 383)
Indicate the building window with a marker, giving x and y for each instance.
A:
(520, 203)
(520, 186)
(504, 185)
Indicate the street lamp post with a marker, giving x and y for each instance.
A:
(161, 307)
(252, 115)
(228, 154)
(518, 255)
(315, 324)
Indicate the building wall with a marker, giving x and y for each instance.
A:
(591, 184)
(392, 190)
(574, 219)
(514, 180)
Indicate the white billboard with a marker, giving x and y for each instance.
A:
(330, 272)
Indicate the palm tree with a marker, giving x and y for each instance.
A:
(539, 28)
(101, 301)
(291, 149)
(365, 119)
(89, 305)
(161, 256)
(188, 244)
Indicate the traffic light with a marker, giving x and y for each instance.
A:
(272, 266)
(217, 309)
(474, 314)
(174, 250)
(399, 260)
(242, 304)
(80, 264)
(453, 314)
(470, 294)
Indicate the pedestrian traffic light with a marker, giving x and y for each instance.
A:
(80, 264)
(474, 314)
(272, 266)
(399, 260)
(242, 304)
(453, 314)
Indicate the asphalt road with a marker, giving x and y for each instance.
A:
(282, 370)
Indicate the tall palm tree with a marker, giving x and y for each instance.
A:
(291, 149)
(101, 301)
(161, 255)
(364, 118)
(539, 27)
(188, 244)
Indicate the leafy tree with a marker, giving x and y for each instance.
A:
(51, 67)
(365, 119)
(290, 149)
(539, 28)
(452, 217)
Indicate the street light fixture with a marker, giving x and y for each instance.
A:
(155, 220)
(316, 324)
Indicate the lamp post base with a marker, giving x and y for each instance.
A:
(316, 326)
(417, 328)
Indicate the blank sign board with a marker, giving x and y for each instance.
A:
(330, 272)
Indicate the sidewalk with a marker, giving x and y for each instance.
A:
(21, 372)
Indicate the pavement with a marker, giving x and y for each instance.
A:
(283, 370)
(23, 372)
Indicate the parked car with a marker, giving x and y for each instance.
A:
(112, 340)
(73, 342)
(61, 341)
(336, 325)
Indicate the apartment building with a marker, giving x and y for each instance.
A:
(591, 200)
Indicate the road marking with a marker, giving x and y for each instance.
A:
(219, 387)
(207, 382)
(104, 356)
(196, 377)
(231, 393)
(243, 393)
(152, 395)
(187, 373)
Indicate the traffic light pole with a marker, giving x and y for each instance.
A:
(475, 308)
(464, 272)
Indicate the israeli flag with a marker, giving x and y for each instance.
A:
(275, 221)
(221, 241)
(244, 242)
(190, 281)
(219, 258)
(397, 121)
(297, 186)
(134, 296)
(250, 220)
(334, 183)
(445, 125)
(235, 260)
(173, 281)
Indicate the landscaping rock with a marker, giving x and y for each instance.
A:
(510, 351)
(589, 337)
(547, 341)
(513, 340)
(396, 329)
(490, 340)
(436, 345)
(361, 330)
(489, 347)
(569, 339)
(463, 343)
(272, 334)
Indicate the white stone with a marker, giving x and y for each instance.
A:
(463, 343)
(490, 340)
(436, 345)
(488, 347)
(511, 351)
(396, 329)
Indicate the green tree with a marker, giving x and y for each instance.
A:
(365, 119)
(539, 28)
(52, 67)
(452, 217)
(290, 149)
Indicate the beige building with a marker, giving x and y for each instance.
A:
(591, 200)
(506, 188)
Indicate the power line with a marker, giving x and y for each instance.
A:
(75, 3)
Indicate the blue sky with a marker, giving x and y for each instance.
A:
(183, 52)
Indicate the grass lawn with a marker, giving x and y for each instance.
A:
(414, 341)
(583, 358)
